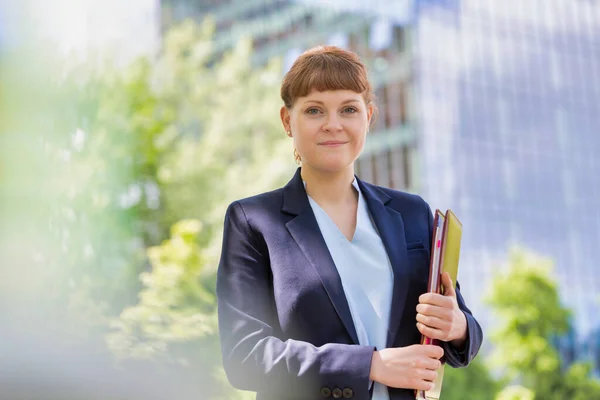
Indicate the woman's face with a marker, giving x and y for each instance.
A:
(328, 128)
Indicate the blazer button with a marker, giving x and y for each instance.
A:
(325, 392)
(337, 393)
(348, 393)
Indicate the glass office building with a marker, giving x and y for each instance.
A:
(509, 137)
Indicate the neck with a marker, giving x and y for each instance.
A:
(329, 187)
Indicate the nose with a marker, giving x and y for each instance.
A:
(333, 123)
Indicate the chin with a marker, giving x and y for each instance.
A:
(332, 166)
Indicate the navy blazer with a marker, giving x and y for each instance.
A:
(285, 326)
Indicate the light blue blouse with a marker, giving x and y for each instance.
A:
(366, 275)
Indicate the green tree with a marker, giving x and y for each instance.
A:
(230, 143)
(173, 307)
(526, 300)
(221, 141)
(515, 392)
(174, 322)
(473, 382)
(127, 153)
(121, 158)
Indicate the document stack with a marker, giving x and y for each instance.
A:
(445, 252)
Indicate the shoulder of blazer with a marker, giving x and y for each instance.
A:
(264, 202)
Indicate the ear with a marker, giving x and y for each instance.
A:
(284, 113)
(370, 111)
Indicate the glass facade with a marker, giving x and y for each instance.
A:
(509, 130)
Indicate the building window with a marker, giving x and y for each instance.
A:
(399, 38)
(381, 35)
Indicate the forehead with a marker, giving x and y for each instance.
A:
(331, 96)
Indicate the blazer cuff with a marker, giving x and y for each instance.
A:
(357, 368)
(461, 357)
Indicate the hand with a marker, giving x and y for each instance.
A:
(439, 317)
(411, 367)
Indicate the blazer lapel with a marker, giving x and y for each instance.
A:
(305, 231)
(391, 230)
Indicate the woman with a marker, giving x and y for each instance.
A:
(321, 284)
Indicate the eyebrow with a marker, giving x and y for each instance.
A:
(344, 102)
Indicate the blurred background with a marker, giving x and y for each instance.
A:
(126, 128)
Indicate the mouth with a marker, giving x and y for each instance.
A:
(332, 143)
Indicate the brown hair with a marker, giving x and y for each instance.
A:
(326, 68)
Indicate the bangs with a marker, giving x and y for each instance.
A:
(332, 74)
(323, 70)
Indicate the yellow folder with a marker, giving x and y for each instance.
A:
(445, 254)
(451, 245)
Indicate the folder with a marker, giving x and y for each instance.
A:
(445, 254)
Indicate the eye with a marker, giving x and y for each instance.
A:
(312, 111)
(350, 110)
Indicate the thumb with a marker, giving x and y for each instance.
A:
(448, 285)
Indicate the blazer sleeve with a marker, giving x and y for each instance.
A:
(254, 358)
(460, 357)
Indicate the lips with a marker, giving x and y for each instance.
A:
(332, 143)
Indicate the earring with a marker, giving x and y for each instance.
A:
(289, 133)
(297, 157)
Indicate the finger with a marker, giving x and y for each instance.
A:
(433, 351)
(434, 299)
(429, 363)
(448, 285)
(431, 333)
(422, 384)
(443, 311)
(434, 322)
(434, 364)
(427, 375)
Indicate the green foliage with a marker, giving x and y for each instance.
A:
(516, 392)
(219, 139)
(526, 300)
(173, 307)
(578, 385)
(174, 324)
(128, 153)
(119, 160)
(75, 229)
(231, 143)
(475, 380)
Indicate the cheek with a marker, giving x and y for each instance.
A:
(304, 130)
(360, 137)
(359, 143)
(301, 139)
(308, 122)
(300, 126)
